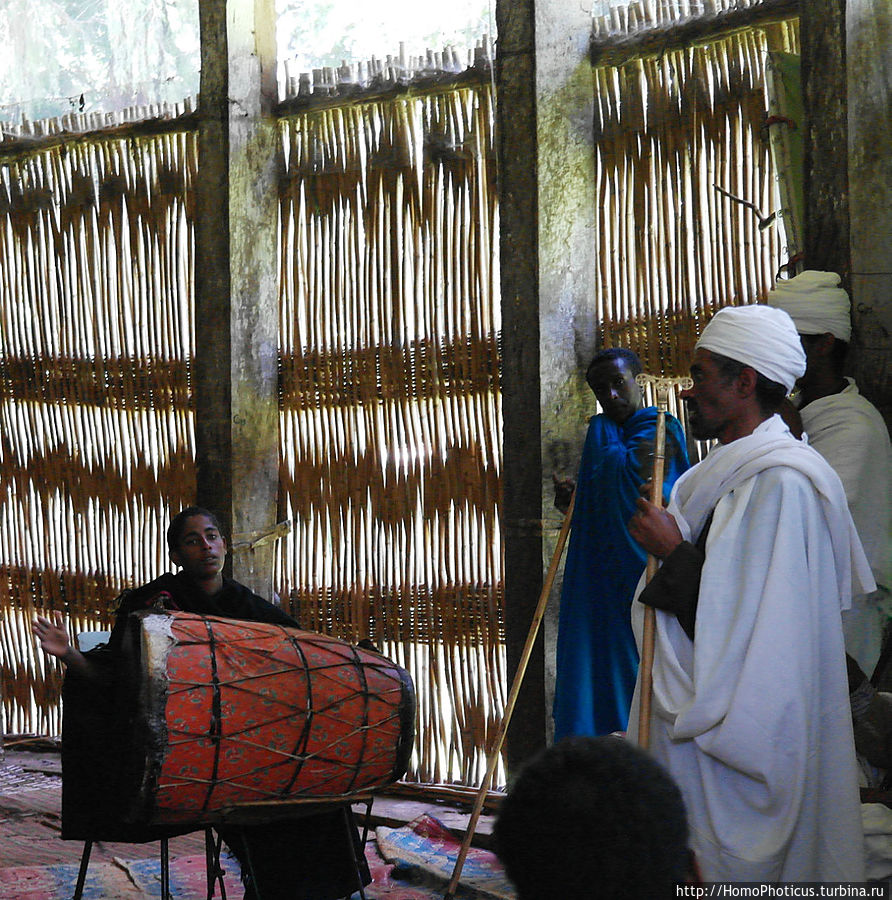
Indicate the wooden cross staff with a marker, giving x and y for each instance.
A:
(662, 387)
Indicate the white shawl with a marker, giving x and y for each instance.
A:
(753, 718)
(849, 432)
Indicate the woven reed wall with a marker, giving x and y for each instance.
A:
(96, 432)
(676, 135)
(391, 421)
(390, 414)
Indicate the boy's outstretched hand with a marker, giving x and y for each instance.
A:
(52, 635)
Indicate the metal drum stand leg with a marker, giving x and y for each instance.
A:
(85, 862)
(215, 873)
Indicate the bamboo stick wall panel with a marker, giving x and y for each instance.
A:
(391, 419)
(677, 137)
(390, 410)
(96, 431)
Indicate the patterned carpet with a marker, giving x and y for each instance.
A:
(414, 862)
(428, 849)
(418, 868)
(120, 879)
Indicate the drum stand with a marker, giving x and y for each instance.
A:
(277, 809)
(349, 824)
(212, 858)
(215, 872)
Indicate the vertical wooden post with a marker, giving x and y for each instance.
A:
(518, 171)
(236, 366)
(546, 177)
(826, 186)
(868, 25)
(848, 173)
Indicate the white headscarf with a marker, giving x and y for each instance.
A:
(816, 303)
(758, 336)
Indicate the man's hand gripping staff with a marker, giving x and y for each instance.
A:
(662, 387)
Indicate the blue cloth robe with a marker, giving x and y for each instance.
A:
(597, 660)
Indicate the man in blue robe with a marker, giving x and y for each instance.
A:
(597, 660)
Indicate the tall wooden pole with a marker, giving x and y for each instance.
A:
(650, 618)
(496, 748)
(662, 387)
(236, 303)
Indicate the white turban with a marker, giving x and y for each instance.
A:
(816, 303)
(761, 337)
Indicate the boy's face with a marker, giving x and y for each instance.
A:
(201, 550)
(615, 388)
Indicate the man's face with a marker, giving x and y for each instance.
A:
(812, 346)
(615, 389)
(712, 402)
(201, 550)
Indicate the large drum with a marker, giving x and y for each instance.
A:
(233, 712)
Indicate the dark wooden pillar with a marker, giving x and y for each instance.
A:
(518, 197)
(848, 173)
(826, 184)
(546, 197)
(868, 26)
(236, 368)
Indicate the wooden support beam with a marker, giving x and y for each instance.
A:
(236, 367)
(869, 74)
(826, 177)
(16, 149)
(546, 182)
(614, 51)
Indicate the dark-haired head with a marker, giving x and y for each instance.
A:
(178, 523)
(610, 354)
(611, 376)
(769, 394)
(594, 817)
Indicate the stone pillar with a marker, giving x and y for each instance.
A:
(236, 368)
(546, 181)
(869, 74)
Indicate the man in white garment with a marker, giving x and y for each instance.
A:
(849, 432)
(750, 708)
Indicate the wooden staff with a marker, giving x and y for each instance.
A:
(662, 387)
(512, 699)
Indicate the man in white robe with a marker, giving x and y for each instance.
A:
(849, 432)
(750, 709)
